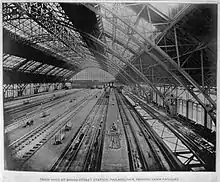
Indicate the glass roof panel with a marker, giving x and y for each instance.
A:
(33, 66)
(118, 47)
(134, 46)
(41, 68)
(12, 61)
(55, 71)
(25, 66)
(59, 73)
(169, 9)
(5, 56)
(63, 72)
(47, 69)
(51, 70)
(66, 73)
(107, 26)
(123, 42)
(30, 30)
(127, 54)
(134, 18)
(120, 36)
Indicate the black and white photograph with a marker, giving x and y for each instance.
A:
(109, 86)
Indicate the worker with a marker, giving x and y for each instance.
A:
(172, 100)
(172, 105)
(114, 126)
(166, 104)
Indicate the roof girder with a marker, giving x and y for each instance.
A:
(18, 46)
(49, 24)
(179, 74)
(113, 67)
(114, 53)
(184, 75)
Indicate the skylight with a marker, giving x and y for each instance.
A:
(169, 9)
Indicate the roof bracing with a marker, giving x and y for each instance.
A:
(134, 42)
(13, 45)
(162, 58)
(114, 69)
(114, 53)
(68, 43)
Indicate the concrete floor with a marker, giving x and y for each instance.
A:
(115, 155)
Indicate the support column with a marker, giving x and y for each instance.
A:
(150, 21)
(35, 89)
(205, 118)
(141, 66)
(177, 49)
(47, 87)
(13, 90)
(187, 108)
(153, 75)
(202, 68)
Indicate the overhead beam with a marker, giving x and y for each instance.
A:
(158, 12)
(107, 34)
(177, 48)
(37, 11)
(167, 57)
(186, 10)
(141, 75)
(12, 46)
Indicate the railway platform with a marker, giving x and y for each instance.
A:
(114, 156)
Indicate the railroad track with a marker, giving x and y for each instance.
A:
(23, 148)
(80, 154)
(202, 149)
(136, 157)
(22, 112)
(19, 121)
(147, 152)
(94, 155)
(33, 103)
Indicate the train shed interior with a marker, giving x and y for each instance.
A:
(109, 87)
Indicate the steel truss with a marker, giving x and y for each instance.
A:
(115, 69)
(41, 37)
(47, 16)
(130, 65)
(68, 43)
(163, 59)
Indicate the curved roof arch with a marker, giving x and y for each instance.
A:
(93, 73)
(131, 41)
